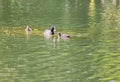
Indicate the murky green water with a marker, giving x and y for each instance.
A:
(90, 55)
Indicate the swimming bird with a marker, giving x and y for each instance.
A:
(28, 29)
(48, 33)
(63, 36)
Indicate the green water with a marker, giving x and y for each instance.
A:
(90, 55)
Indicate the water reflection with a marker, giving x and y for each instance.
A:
(114, 2)
(5, 11)
(92, 8)
(92, 13)
(91, 57)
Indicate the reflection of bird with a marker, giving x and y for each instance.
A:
(28, 29)
(48, 33)
(63, 36)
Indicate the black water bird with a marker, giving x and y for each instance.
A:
(49, 32)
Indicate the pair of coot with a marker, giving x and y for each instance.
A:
(52, 32)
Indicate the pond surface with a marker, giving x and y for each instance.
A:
(92, 54)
